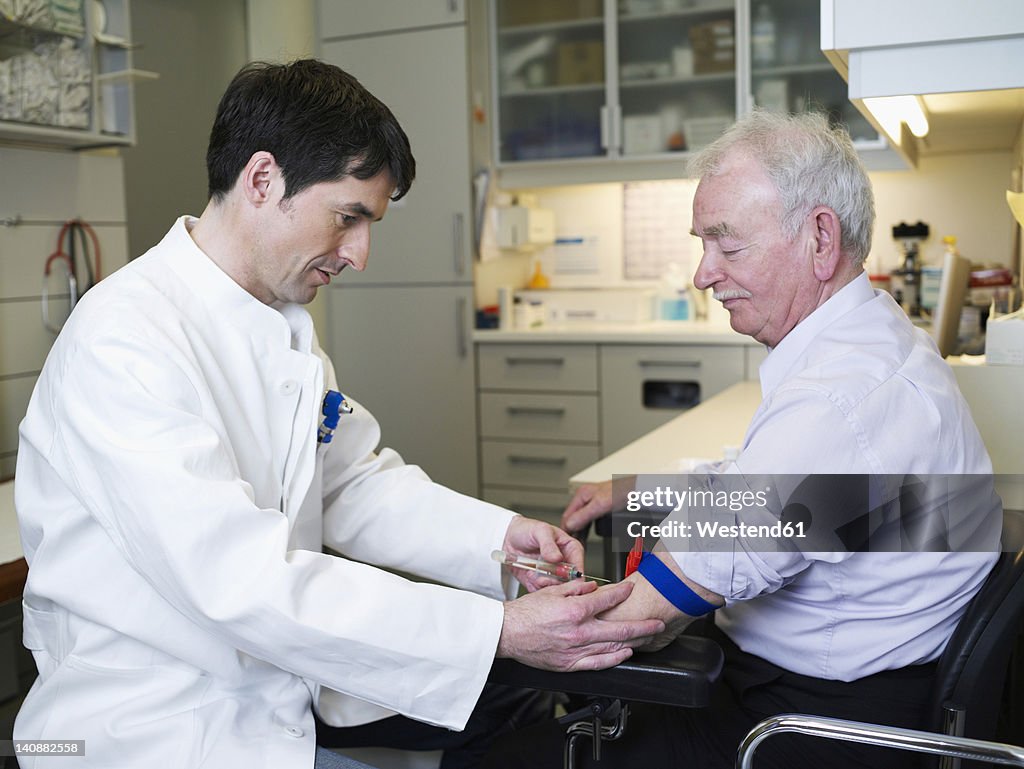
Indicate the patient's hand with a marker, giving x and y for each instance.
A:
(644, 602)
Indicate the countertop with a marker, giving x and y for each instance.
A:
(993, 394)
(659, 332)
(702, 432)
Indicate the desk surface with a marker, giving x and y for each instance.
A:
(702, 432)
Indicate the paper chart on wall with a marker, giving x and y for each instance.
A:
(656, 228)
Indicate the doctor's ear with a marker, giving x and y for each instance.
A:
(258, 178)
(827, 235)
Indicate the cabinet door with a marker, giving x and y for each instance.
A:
(677, 73)
(338, 18)
(788, 71)
(421, 76)
(550, 70)
(644, 386)
(403, 352)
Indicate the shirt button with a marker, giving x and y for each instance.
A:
(289, 386)
(293, 731)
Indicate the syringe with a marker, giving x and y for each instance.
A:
(562, 571)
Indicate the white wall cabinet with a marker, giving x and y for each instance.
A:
(67, 81)
(399, 333)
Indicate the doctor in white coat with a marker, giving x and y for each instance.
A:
(174, 500)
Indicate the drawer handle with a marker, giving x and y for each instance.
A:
(535, 361)
(517, 459)
(520, 506)
(682, 363)
(540, 410)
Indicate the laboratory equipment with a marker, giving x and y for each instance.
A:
(562, 571)
(906, 280)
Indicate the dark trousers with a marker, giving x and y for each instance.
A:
(500, 710)
(751, 689)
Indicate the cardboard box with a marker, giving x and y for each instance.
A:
(580, 63)
(714, 46)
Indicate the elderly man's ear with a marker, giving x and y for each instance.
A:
(827, 237)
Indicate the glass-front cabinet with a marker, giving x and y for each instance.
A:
(550, 79)
(588, 78)
(676, 71)
(648, 80)
(788, 71)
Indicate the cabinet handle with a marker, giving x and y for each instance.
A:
(461, 346)
(604, 127)
(616, 126)
(453, 6)
(524, 506)
(681, 363)
(552, 411)
(535, 361)
(517, 459)
(460, 262)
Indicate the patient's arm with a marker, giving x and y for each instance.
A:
(645, 602)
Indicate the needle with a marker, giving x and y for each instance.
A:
(562, 571)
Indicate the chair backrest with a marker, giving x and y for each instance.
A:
(972, 669)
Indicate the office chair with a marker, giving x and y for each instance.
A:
(966, 695)
(968, 685)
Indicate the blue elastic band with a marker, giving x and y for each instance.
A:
(672, 588)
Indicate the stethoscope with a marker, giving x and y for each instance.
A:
(75, 230)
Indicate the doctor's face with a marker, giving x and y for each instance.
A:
(762, 276)
(305, 241)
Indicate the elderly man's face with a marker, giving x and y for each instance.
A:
(762, 277)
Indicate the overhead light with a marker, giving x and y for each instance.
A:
(891, 111)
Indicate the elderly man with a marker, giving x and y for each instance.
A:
(785, 212)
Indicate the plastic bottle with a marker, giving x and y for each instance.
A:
(762, 37)
(673, 295)
(539, 279)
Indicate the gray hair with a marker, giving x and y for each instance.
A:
(810, 163)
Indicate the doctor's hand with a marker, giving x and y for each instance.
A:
(558, 628)
(536, 539)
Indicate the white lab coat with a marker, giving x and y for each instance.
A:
(173, 505)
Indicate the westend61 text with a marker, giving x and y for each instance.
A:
(713, 529)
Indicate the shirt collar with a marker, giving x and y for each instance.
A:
(218, 289)
(784, 355)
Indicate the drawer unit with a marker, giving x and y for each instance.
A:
(539, 416)
(533, 465)
(644, 386)
(538, 367)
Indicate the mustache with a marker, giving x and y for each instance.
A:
(732, 293)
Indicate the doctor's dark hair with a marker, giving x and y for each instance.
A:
(811, 163)
(318, 122)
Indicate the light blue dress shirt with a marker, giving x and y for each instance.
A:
(854, 388)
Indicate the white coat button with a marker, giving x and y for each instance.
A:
(293, 731)
(289, 386)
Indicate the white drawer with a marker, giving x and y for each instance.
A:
(538, 367)
(539, 416)
(533, 465)
(643, 386)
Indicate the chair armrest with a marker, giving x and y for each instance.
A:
(876, 734)
(680, 675)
